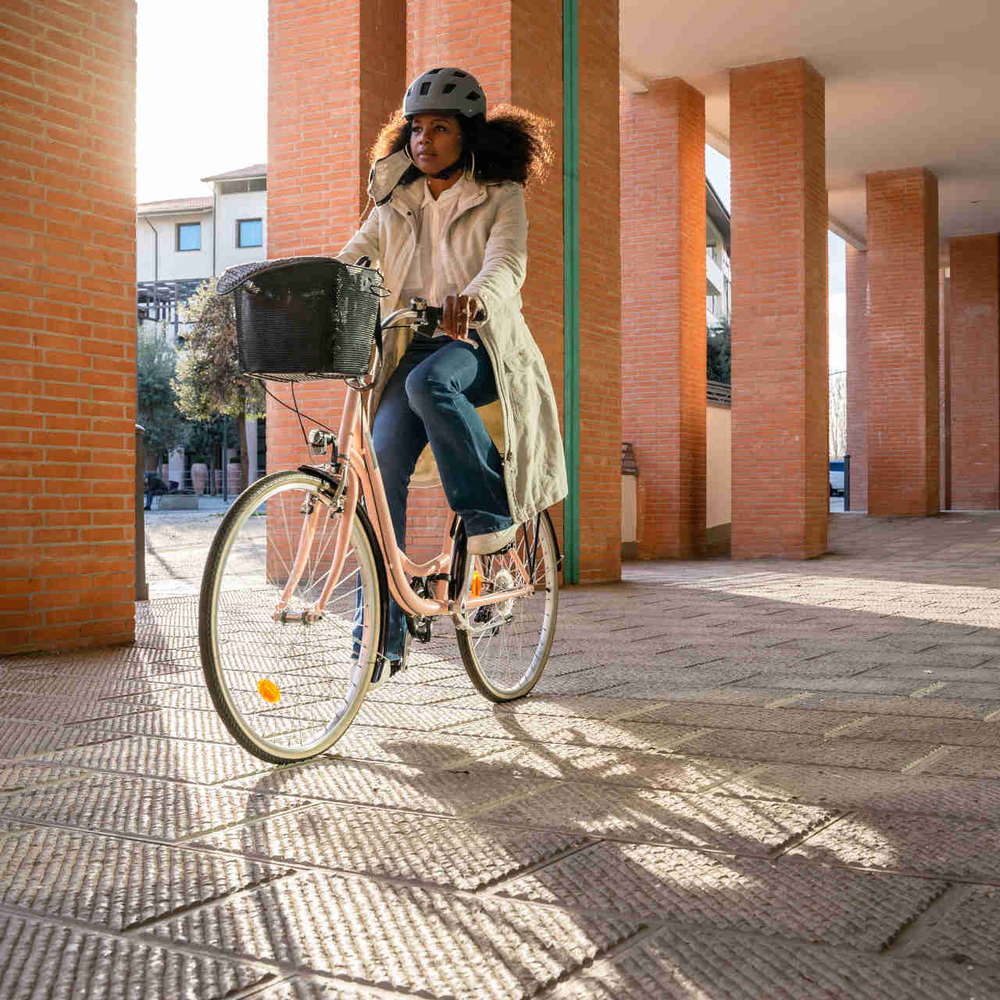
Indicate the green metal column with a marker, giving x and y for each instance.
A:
(571, 289)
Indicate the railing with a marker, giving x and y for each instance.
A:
(719, 393)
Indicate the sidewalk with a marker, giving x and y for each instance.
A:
(735, 779)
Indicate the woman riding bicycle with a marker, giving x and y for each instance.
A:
(449, 226)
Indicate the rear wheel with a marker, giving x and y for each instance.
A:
(505, 646)
(287, 681)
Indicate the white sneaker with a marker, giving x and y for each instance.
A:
(494, 541)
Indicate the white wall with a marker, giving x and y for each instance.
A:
(231, 207)
(719, 465)
(172, 263)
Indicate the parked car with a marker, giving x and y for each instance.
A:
(837, 478)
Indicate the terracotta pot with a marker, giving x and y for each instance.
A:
(199, 477)
(235, 481)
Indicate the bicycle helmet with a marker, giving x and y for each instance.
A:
(447, 89)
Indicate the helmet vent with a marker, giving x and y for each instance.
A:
(472, 95)
(431, 72)
(459, 73)
(448, 88)
(425, 88)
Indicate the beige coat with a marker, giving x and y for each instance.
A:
(485, 254)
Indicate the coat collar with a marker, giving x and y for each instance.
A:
(388, 172)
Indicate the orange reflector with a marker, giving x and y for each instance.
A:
(476, 588)
(268, 690)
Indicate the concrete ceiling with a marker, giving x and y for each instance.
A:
(908, 84)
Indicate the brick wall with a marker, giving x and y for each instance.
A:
(336, 72)
(663, 312)
(857, 374)
(600, 277)
(67, 323)
(974, 330)
(903, 410)
(779, 321)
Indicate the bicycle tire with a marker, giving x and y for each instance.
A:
(505, 646)
(286, 689)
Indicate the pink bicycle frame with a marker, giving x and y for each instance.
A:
(356, 457)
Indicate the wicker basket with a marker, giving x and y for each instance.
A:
(304, 318)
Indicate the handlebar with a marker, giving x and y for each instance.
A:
(427, 318)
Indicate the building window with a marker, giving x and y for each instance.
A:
(188, 235)
(249, 233)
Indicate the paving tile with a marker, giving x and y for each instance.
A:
(160, 757)
(353, 927)
(196, 724)
(302, 988)
(406, 746)
(779, 720)
(781, 748)
(114, 882)
(23, 707)
(979, 762)
(932, 846)
(25, 739)
(944, 706)
(124, 804)
(454, 793)
(18, 777)
(598, 707)
(842, 907)
(969, 928)
(684, 963)
(665, 684)
(850, 685)
(955, 732)
(582, 732)
(700, 821)
(423, 718)
(397, 844)
(84, 686)
(617, 767)
(61, 963)
(885, 791)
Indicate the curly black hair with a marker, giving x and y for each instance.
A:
(508, 144)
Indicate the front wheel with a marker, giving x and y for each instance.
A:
(505, 646)
(286, 678)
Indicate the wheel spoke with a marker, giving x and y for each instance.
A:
(261, 672)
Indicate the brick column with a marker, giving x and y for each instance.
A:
(67, 325)
(857, 374)
(663, 311)
(779, 354)
(336, 73)
(514, 47)
(944, 384)
(903, 411)
(974, 329)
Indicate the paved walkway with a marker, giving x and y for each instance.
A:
(751, 780)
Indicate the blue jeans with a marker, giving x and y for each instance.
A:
(432, 396)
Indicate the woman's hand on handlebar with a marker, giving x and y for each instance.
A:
(458, 312)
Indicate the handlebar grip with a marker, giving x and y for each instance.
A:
(434, 314)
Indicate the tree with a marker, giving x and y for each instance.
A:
(208, 379)
(157, 410)
(838, 414)
(720, 337)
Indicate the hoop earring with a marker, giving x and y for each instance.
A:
(406, 152)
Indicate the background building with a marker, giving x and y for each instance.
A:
(183, 241)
